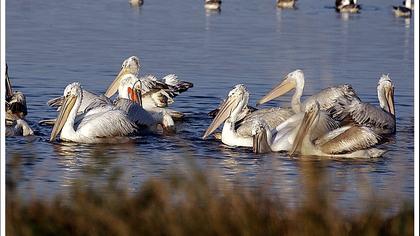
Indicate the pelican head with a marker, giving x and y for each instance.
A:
(309, 120)
(295, 79)
(259, 137)
(9, 90)
(386, 94)
(130, 88)
(407, 4)
(130, 65)
(71, 93)
(230, 108)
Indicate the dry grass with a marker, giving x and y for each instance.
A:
(192, 204)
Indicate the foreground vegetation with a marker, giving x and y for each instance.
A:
(192, 204)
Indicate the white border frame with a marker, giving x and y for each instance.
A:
(2, 122)
(416, 118)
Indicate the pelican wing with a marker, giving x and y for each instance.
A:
(325, 125)
(88, 98)
(349, 140)
(151, 84)
(135, 112)
(112, 123)
(176, 86)
(368, 115)
(328, 97)
(271, 116)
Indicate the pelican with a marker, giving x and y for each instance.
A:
(95, 126)
(347, 141)
(130, 100)
(281, 138)
(156, 93)
(238, 121)
(15, 100)
(212, 4)
(286, 3)
(327, 98)
(170, 83)
(403, 11)
(348, 6)
(129, 66)
(380, 119)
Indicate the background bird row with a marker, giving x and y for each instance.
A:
(343, 6)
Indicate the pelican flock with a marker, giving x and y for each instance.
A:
(332, 122)
(140, 107)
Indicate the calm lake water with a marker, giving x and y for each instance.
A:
(53, 43)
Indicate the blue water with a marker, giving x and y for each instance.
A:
(53, 43)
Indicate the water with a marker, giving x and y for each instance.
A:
(53, 43)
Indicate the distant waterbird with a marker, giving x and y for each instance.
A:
(136, 3)
(347, 6)
(405, 10)
(213, 4)
(286, 3)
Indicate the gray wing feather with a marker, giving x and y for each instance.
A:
(271, 116)
(112, 123)
(135, 112)
(328, 97)
(368, 115)
(325, 125)
(350, 140)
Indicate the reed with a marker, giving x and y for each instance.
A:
(191, 203)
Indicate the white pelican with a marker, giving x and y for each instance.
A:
(286, 3)
(403, 11)
(238, 122)
(347, 6)
(94, 126)
(129, 66)
(130, 100)
(347, 141)
(380, 119)
(327, 98)
(15, 100)
(212, 4)
(169, 84)
(156, 93)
